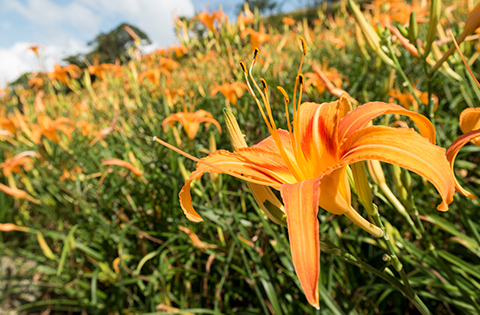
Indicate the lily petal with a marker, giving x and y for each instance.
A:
(361, 116)
(301, 206)
(405, 148)
(452, 154)
(470, 120)
(255, 165)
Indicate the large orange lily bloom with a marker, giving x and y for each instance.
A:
(191, 121)
(470, 125)
(307, 164)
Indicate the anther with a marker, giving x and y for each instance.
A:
(264, 83)
(304, 45)
(255, 55)
(300, 79)
(284, 93)
(244, 69)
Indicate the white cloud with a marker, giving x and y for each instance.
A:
(18, 59)
(154, 17)
(48, 13)
(58, 25)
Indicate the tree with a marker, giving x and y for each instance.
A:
(110, 46)
(264, 6)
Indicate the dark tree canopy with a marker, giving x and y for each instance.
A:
(263, 6)
(110, 46)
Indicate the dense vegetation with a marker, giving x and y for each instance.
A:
(91, 220)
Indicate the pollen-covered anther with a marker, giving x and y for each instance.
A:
(244, 68)
(301, 79)
(264, 84)
(304, 45)
(285, 96)
(255, 55)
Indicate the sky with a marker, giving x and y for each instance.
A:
(63, 27)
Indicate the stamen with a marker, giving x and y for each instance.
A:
(255, 55)
(244, 68)
(271, 126)
(304, 45)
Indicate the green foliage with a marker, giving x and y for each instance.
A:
(118, 243)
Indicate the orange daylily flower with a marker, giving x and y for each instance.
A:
(208, 19)
(34, 48)
(406, 99)
(400, 11)
(35, 82)
(60, 73)
(307, 164)
(231, 91)
(13, 165)
(331, 74)
(256, 38)
(136, 171)
(49, 127)
(101, 70)
(288, 21)
(246, 17)
(153, 75)
(331, 88)
(179, 50)
(470, 126)
(191, 121)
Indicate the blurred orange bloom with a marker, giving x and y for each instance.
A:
(406, 99)
(191, 121)
(208, 19)
(49, 127)
(14, 164)
(136, 171)
(179, 50)
(34, 48)
(288, 20)
(331, 74)
(246, 17)
(60, 74)
(231, 91)
(256, 38)
(35, 82)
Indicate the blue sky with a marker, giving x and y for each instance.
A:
(63, 27)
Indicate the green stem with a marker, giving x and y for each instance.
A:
(398, 67)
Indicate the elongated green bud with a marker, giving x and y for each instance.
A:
(263, 195)
(413, 28)
(435, 11)
(372, 38)
(364, 192)
(397, 179)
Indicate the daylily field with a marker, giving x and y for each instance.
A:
(265, 165)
